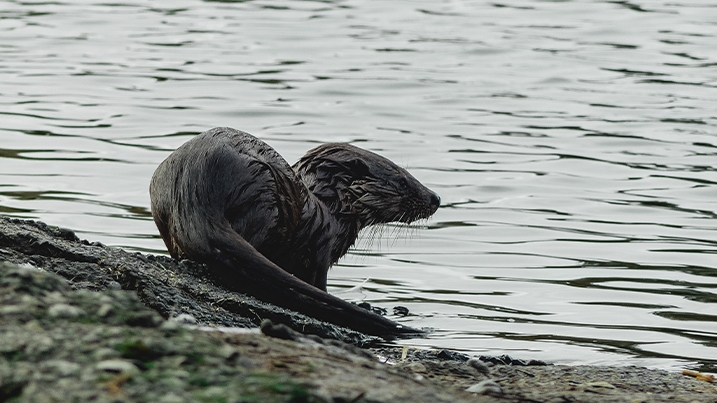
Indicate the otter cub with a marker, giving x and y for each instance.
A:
(227, 199)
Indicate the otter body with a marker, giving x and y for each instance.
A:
(227, 199)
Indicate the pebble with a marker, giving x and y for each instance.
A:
(104, 310)
(400, 310)
(185, 318)
(61, 310)
(600, 384)
(479, 365)
(113, 285)
(417, 367)
(485, 387)
(62, 367)
(118, 366)
(12, 310)
(104, 354)
(171, 398)
(170, 325)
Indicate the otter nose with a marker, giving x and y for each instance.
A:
(435, 201)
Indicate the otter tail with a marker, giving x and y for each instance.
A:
(235, 261)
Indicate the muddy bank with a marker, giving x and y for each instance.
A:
(103, 336)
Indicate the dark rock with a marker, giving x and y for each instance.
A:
(400, 310)
(279, 331)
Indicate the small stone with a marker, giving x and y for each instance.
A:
(416, 367)
(485, 387)
(379, 311)
(479, 365)
(452, 355)
(103, 354)
(13, 310)
(104, 310)
(118, 366)
(315, 338)
(145, 319)
(171, 398)
(55, 297)
(170, 325)
(228, 352)
(113, 285)
(181, 374)
(172, 383)
(600, 384)
(212, 393)
(29, 300)
(279, 331)
(62, 367)
(400, 310)
(185, 318)
(61, 310)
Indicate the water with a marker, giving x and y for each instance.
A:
(573, 144)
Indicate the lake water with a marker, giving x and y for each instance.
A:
(573, 144)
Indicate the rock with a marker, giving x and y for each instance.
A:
(452, 355)
(62, 367)
(479, 365)
(600, 384)
(417, 367)
(280, 331)
(64, 311)
(185, 318)
(118, 366)
(486, 387)
(400, 310)
(104, 310)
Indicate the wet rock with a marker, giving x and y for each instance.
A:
(280, 331)
(417, 367)
(118, 366)
(62, 367)
(486, 387)
(400, 310)
(452, 355)
(375, 309)
(508, 360)
(64, 311)
(479, 365)
(185, 318)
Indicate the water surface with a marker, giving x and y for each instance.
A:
(573, 144)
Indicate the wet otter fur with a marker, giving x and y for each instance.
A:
(227, 199)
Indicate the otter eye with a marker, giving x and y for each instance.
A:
(403, 183)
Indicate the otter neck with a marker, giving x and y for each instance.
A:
(329, 207)
(336, 232)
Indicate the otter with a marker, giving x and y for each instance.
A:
(229, 200)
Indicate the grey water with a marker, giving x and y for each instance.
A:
(573, 144)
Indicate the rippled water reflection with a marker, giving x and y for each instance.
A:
(572, 142)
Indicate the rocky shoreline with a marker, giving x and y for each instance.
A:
(85, 322)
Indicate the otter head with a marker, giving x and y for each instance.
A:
(366, 186)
